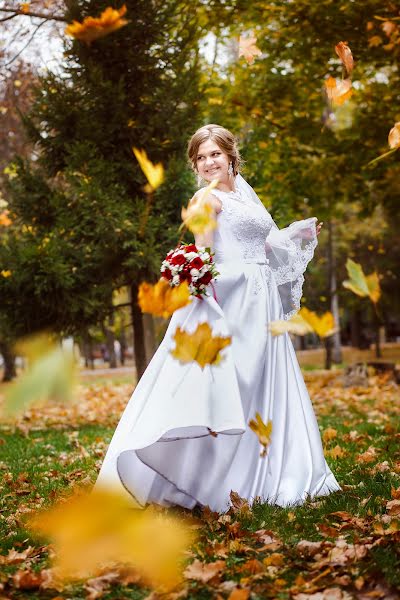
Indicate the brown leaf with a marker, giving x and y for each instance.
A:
(204, 571)
(27, 580)
(393, 507)
(345, 55)
(394, 136)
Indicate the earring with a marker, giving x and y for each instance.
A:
(199, 180)
(230, 169)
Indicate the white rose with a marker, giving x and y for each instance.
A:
(175, 280)
(194, 272)
(190, 255)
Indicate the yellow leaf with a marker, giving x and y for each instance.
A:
(24, 7)
(296, 325)
(199, 216)
(374, 287)
(329, 434)
(200, 346)
(338, 91)
(394, 136)
(154, 173)
(5, 273)
(92, 532)
(336, 452)
(161, 299)
(93, 28)
(262, 430)
(323, 326)
(360, 284)
(248, 48)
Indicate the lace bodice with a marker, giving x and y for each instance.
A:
(242, 229)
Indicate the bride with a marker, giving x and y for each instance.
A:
(184, 437)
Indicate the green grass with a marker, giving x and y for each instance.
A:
(49, 462)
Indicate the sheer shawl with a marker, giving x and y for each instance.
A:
(288, 251)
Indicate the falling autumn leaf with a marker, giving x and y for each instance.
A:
(345, 55)
(161, 299)
(154, 173)
(338, 90)
(50, 375)
(24, 7)
(199, 216)
(296, 325)
(91, 530)
(6, 273)
(248, 48)
(262, 430)
(93, 28)
(323, 326)
(200, 346)
(361, 284)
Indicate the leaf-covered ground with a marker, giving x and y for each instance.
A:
(343, 546)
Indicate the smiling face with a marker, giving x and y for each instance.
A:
(212, 162)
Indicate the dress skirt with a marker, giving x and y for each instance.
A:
(183, 438)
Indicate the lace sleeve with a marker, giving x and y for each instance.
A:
(289, 251)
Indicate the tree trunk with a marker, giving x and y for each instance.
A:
(333, 294)
(122, 339)
(110, 339)
(149, 336)
(9, 361)
(355, 328)
(328, 352)
(378, 351)
(87, 348)
(138, 333)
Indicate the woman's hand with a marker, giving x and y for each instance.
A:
(319, 227)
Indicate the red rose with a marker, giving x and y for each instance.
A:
(206, 278)
(185, 276)
(196, 263)
(179, 259)
(167, 274)
(191, 248)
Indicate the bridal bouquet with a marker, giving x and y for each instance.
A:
(188, 263)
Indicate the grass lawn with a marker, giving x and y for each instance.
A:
(345, 545)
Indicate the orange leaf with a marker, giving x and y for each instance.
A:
(93, 28)
(338, 90)
(4, 219)
(200, 346)
(248, 48)
(345, 55)
(162, 300)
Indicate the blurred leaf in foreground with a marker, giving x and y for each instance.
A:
(91, 531)
(50, 374)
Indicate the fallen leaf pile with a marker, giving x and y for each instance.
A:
(331, 548)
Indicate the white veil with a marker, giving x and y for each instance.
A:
(288, 251)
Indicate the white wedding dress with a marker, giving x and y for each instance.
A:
(164, 448)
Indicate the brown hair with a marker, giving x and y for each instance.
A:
(221, 136)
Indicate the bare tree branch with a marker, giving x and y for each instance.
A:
(39, 15)
(26, 45)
